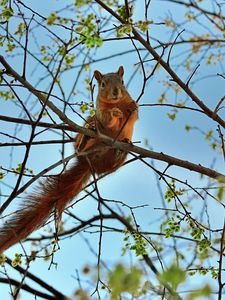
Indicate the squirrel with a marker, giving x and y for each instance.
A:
(115, 116)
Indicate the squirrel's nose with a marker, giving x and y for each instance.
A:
(115, 91)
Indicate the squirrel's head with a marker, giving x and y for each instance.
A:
(110, 86)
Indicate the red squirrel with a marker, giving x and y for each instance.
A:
(116, 114)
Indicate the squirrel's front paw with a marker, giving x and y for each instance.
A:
(116, 112)
(126, 140)
(132, 107)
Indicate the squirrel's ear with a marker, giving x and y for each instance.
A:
(120, 71)
(98, 75)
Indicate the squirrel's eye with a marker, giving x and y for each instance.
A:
(122, 82)
(103, 84)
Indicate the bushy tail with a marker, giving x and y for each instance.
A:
(53, 195)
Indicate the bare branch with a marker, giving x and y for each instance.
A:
(112, 143)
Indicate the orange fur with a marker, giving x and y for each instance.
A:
(53, 195)
(116, 114)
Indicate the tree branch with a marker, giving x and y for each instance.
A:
(37, 280)
(31, 290)
(109, 141)
(165, 65)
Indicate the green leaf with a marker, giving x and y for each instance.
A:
(208, 135)
(20, 29)
(83, 108)
(188, 128)
(124, 29)
(143, 25)
(51, 19)
(7, 95)
(70, 58)
(171, 116)
(214, 273)
(204, 244)
(4, 2)
(173, 276)
(197, 232)
(6, 14)
(18, 170)
(122, 12)
(17, 261)
(220, 193)
(205, 291)
(2, 259)
(214, 145)
(172, 191)
(88, 31)
(80, 3)
(92, 112)
(162, 98)
(10, 45)
(173, 227)
(124, 280)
